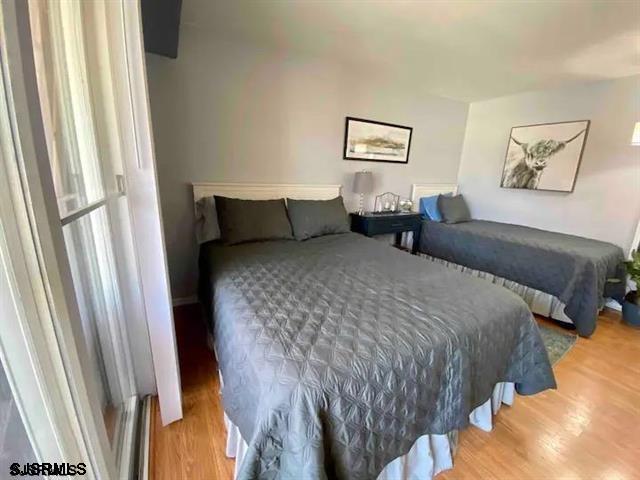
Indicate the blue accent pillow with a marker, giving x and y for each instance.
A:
(429, 207)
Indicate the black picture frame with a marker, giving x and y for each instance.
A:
(372, 155)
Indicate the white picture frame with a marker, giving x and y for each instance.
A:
(545, 156)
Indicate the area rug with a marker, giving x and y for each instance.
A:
(558, 343)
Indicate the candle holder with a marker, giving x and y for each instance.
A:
(387, 202)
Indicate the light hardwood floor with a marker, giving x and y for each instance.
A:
(587, 429)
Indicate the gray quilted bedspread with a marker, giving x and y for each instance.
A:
(573, 269)
(339, 352)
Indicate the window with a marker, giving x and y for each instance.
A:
(73, 65)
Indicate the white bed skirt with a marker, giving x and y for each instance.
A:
(539, 302)
(429, 455)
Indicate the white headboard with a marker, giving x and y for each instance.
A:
(265, 191)
(419, 190)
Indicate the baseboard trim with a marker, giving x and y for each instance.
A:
(178, 301)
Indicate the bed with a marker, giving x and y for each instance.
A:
(562, 276)
(342, 357)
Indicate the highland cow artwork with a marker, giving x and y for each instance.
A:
(545, 157)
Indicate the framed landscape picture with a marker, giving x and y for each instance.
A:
(376, 141)
(545, 156)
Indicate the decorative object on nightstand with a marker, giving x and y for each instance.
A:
(362, 183)
(405, 205)
(387, 202)
(371, 224)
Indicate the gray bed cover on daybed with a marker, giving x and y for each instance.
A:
(573, 269)
(340, 351)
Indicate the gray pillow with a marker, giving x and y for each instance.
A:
(313, 218)
(207, 228)
(453, 209)
(252, 220)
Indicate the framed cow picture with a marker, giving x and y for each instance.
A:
(545, 156)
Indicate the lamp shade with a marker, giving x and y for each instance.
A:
(635, 138)
(362, 182)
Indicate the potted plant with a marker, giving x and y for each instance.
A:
(631, 304)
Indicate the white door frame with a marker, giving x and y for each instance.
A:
(148, 232)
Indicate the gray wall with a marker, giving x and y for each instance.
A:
(606, 201)
(231, 112)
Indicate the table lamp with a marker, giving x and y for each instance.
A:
(362, 183)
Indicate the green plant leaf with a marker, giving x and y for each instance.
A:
(633, 267)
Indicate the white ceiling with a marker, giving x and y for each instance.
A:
(461, 49)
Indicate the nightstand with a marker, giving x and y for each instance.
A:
(371, 224)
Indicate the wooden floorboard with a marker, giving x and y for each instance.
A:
(194, 447)
(589, 428)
